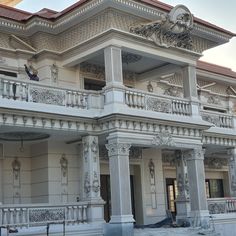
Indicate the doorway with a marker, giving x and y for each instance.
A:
(106, 195)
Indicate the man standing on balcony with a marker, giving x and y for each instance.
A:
(33, 75)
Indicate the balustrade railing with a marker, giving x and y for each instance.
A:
(221, 205)
(218, 119)
(39, 215)
(147, 101)
(30, 91)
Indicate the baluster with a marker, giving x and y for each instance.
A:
(131, 99)
(173, 107)
(139, 100)
(75, 213)
(17, 218)
(11, 217)
(84, 213)
(5, 216)
(68, 102)
(80, 214)
(75, 100)
(5, 89)
(143, 101)
(25, 216)
(85, 101)
(24, 92)
(70, 213)
(135, 100)
(12, 87)
(127, 98)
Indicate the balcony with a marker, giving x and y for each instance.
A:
(17, 92)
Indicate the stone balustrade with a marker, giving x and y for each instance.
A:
(218, 119)
(42, 214)
(31, 91)
(153, 102)
(221, 205)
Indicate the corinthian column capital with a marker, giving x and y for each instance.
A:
(116, 148)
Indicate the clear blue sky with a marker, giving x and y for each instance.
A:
(221, 13)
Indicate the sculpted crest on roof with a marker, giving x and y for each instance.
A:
(171, 29)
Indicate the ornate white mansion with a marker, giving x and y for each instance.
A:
(124, 126)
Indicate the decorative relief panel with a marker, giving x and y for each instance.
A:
(172, 91)
(163, 138)
(215, 163)
(47, 96)
(158, 105)
(46, 214)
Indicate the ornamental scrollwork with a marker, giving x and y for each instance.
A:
(214, 119)
(163, 139)
(214, 100)
(158, 105)
(118, 149)
(87, 185)
(171, 29)
(47, 96)
(95, 185)
(64, 165)
(216, 208)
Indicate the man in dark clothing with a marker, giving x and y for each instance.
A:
(33, 75)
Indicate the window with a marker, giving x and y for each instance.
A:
(214, 188)
(92, 84)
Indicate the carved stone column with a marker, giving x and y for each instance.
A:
(190, 88)
(199, 214)
(121, 223)
(232, 172)
(91, 178)
(182, 201)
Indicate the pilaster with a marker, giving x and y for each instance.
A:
(121, 223)
(91, 178)
(182, 201)
(232, 172)
(199, 215)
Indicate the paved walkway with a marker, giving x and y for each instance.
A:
(172, 232)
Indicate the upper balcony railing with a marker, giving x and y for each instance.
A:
(30, 91)
(218, 119)
(221, 205)
(153, 102)
(42, 214)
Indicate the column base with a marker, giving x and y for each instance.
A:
(183, 212)
(119, 229)
(200, 219)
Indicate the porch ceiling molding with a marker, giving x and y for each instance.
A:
(79, 14)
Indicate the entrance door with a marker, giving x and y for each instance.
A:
(171, 188)
(106, 195)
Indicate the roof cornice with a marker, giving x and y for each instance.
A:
(58, 22)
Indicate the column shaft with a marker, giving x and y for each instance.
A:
(196, 173)
(232, 172)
